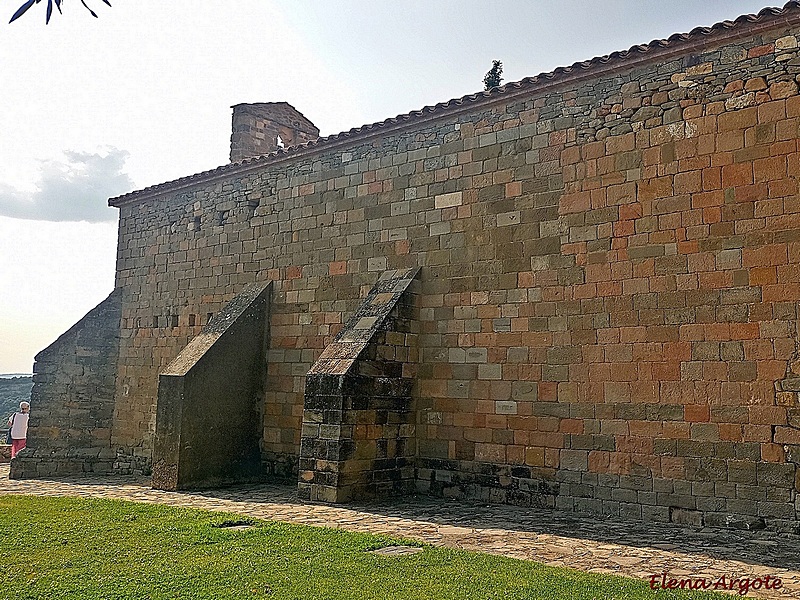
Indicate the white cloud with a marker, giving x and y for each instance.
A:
(76, 189)
(51, 274)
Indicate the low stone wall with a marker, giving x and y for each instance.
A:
(73, 392)
(5, 453)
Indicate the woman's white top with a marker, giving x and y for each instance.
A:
(19, 430)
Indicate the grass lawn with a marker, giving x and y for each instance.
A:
(100, 549)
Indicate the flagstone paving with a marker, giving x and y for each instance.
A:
(612, 546)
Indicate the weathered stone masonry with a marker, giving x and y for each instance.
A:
(358, 420)
(74, 384)
(608, 289)
(209, 399)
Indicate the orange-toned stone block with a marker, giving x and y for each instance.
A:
(744, 331)
(598, 461)
(651, 189)
(673, 467)
(769, 255)
(707, 199)
(688, 182)
(773, 453)
(767, 415)
(731, 432)
(634, 445)
(737, 175)
(675, 430)
(771, 370)
(768, 169)
(574, 426)
(513, 189)
(697, 413)
(737, 120)
(575, 202)
(619, 463)
(571, 155)
(651, 429)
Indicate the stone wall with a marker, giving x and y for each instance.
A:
(608, 288)
(72, 400)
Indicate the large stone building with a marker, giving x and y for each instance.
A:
(579, 290)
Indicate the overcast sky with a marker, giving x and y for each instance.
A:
(93, 108)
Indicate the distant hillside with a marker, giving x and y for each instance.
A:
(12, 392)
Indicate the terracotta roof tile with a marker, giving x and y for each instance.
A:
(768, 17)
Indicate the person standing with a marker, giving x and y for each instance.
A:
(18, 422)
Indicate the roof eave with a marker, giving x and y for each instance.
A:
(657, 50)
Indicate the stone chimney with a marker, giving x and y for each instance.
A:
(264, 127)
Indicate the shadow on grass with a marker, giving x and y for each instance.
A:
(766, 548)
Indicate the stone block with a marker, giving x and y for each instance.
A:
(574, 460)
(505, 407)
(448, 200)
(776, 474)
(476, 355)
(686, 517)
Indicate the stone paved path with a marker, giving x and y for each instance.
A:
(560, 539)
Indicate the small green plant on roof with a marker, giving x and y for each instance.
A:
(49, 13)
(493, 78)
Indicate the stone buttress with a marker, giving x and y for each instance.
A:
(358, 421)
